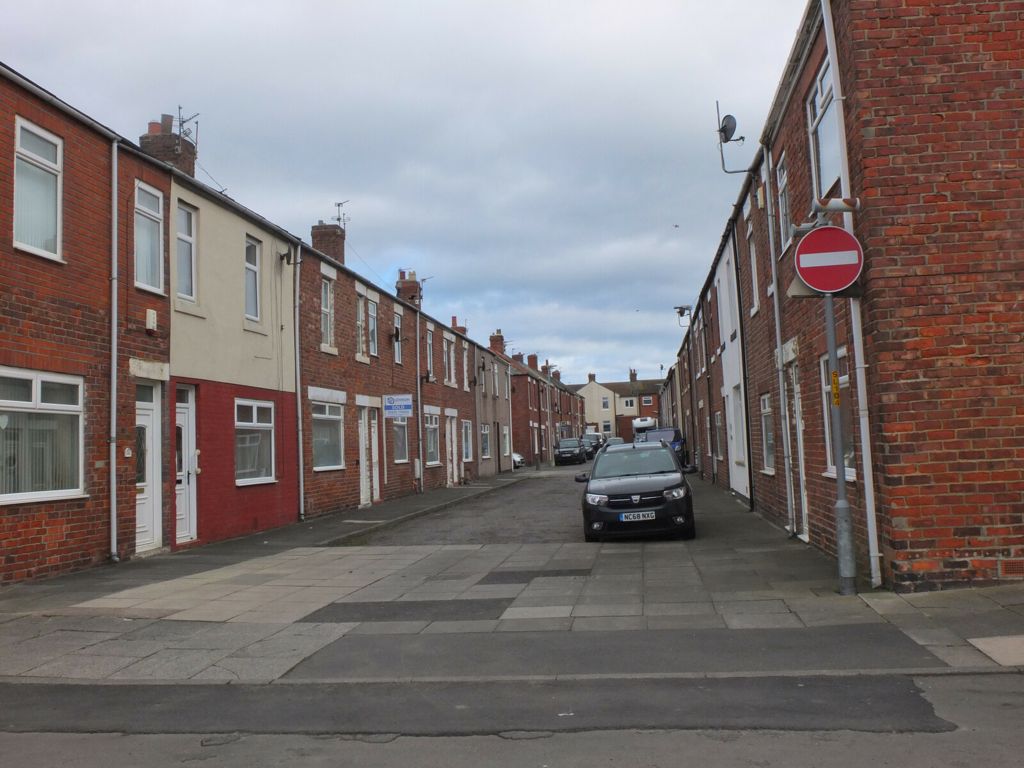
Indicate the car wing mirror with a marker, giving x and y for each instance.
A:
(582, 477)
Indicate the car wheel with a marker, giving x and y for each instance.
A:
(588, 536)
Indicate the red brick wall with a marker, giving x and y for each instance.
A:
(55, 317)
(938, 137)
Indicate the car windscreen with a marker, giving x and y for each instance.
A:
(633, 462)
(571, 442)
(654, 435)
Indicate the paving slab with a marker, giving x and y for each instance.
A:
(169, 665)
(80, 666)
(1006, 651)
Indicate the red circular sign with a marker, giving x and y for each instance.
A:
(828, 259)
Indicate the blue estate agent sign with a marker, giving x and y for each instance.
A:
(397, 406)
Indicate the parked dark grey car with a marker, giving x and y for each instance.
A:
(570, 450)
(637, 488)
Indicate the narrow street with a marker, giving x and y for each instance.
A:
(489, 632)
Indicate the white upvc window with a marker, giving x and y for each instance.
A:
(41, 436)
(606, 427)
(823, 130)
(506, 441)
(467, 440)
(38, 190)
(360, 326)
(785, 221)
(149, 237)
(845, 414)
(767, 435)
(446, 346)
(430, 354)
(718, 435)
(465, 366)
(328, 436)
(752, 257)
(604, 402)
(327, 312)
(508, 382)
(485, 441)
(494, 376)
(186, 253)
(400, 439)
(451, 362)
(398, 343)
(253, 253)
(254, 442)
(629, 402)
(371, 327)
(430, 424)
(647, 400)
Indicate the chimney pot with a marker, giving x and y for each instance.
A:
(329, 239)
(162, 143)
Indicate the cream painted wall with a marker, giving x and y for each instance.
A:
(211, 338)
(592, 392)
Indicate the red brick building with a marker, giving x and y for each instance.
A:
(915, 115)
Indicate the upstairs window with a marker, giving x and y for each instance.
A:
(252, 278)
(149, 237)
(361, 326)
(446, 346)
(398, 338)
(430, 354)
(38, 171)
(371, 328)
(824, 132)
(327, 312)
(186, 255)
(782, 180)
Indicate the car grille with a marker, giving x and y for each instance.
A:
(626, 501)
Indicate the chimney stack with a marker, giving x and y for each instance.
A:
(518, 357)
(456, 327)
(632, 374)
(161, 142)
(408, 288)
(557, 375)
(531, 361)
(497, 342)
(329, 239)
(591, 377)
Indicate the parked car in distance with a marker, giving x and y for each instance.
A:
(673, 437)
(593, 442)
(570, 450)
(518, 460)
(637, 488)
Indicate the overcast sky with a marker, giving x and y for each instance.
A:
(551, 167)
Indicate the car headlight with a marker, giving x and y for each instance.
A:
(676, 493)
(597, 499)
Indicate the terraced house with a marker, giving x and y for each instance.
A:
(905, 126)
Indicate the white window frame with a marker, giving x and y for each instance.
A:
(446, 348)
(508, 382)
(494, 377)
(506, 441)
(401, 423)
(752, 258)
(767, 436)
(718, 436)
(821, 104)
(431, 426)
(36, 405)
(257, 425)
(47, 166)
(398, 342)
(604, 402)
(826, 401)
(782, 193)
(361, 329)
(485, 441)
(327, 314)
(467, 441)
(189, 241)
(647, 400)
(371, 326)
(252, 271)
(430, 354)
(465, 366)
(333, 413)
(158, 219)
(629, 402)
(606, 427)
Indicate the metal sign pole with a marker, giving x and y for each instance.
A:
(844, 521)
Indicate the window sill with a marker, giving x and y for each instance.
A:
(38, 499)
(188, 307)
(754, 309)
(769, 472)
(328, 349)
(54, 257)
(260, 481)
(433, 464)
(362, 359)
(150, 289)
(400, 461)
(831, 475)
(329, 469)
(253, 326)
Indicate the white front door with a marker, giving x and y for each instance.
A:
(374, 452)
(186, 465)
(796, 428)
(365, 486)
(450, 447)
(148, 501)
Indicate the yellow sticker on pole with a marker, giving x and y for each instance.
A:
(835, 387)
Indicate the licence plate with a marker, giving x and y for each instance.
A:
(627, 517)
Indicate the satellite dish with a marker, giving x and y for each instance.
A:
(728, 129)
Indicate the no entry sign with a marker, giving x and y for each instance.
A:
(829, 259)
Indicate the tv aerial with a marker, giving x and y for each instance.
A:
(726, 130)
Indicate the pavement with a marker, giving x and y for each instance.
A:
(312, 603)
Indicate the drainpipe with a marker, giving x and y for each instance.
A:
(855, 305)
(419, 401)
(297, 279)
(511, 433)
(779, 367)
(743, 363)
(112, 440)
